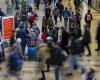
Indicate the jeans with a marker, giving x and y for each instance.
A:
(55, 19)
(23, 49)
(74, 60)
(88, 48)
(65, 22)
(57, 72)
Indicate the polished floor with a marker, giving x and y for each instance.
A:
(30, 70)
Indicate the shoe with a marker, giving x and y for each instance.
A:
(88, 55)
(41, 79)
(69, 74)
(97, 49)
(83, 71)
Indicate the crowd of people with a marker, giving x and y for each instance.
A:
(47, 49)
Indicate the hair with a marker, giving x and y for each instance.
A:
(89, 11)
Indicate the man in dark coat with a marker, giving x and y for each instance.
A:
(98, 37)
(37, 2)
(87, 39)
(65, 40)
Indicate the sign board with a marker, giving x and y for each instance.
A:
(7, 27)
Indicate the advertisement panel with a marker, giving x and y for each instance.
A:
(7, 27)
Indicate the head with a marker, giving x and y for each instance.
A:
(49, 40)
(89, 11)
(66, 8)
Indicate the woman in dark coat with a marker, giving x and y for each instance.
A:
(98, 37)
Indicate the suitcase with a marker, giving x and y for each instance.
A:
(32, 53)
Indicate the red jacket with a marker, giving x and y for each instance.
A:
(43, 36)
(32, 19)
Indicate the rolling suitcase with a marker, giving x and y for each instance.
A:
(32, 53)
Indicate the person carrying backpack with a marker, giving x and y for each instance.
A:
(66, 15)
(88, 18)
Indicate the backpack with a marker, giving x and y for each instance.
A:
(56, 56)
(55, 12)
(88, 17)
(66, 15)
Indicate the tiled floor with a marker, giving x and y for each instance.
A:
(30, 70)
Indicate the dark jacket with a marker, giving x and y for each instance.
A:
(98, 33)
(86, 37)
(76, 47)
(65, 37)
(56, 56)
(23, 35)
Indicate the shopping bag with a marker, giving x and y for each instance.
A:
(26, 50)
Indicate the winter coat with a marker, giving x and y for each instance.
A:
(56, 56)
(43, 36)
(86, 37)
(36, 29)
(88, 17)
(66, 14)
(76, 47)
(64, 38)
(23, 35)
(98, 33)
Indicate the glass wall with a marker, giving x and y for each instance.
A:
(95, 4)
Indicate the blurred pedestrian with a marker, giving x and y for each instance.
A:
(74, 58)
(65, 40)
(37, 3)
(66, 15)
(98, 38)
(60, 6)
(88, 18)
(55, 14)
(23, 35)
(87, 39)
(90, 75)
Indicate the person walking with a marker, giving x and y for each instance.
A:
(74, 58)
(88, 18)
(66, 15)
(87, 39)
(55, 14)
(78, 18)
(37, 3)
(98, 37)
(23, 35)
(60, 6)
(65, 40)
